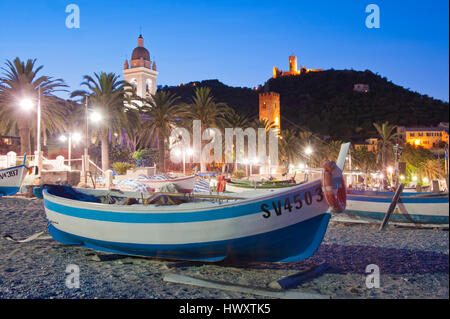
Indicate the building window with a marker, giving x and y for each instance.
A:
(148, 85)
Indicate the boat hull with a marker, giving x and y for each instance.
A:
(409, 209)
(256, 229)
(11, 179)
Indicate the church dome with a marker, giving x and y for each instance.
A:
(140, 52)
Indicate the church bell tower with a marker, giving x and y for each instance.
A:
(141, 72)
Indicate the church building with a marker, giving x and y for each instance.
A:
(141, 71)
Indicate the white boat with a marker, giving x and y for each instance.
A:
(280, 226)
(11, 178)
(421, 208)
(183, 184)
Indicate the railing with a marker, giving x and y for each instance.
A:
(98, 168)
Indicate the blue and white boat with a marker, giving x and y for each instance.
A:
(11, 178)
(281, 226)
(416, 208)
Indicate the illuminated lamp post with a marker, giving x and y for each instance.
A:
(309, 151)
(246, 167)
(27, 104)
(76, 137)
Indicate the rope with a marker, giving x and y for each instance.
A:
(28, 239)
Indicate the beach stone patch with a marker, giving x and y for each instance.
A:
(413, 264)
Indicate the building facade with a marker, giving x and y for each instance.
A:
(427, 137)
(371, 144)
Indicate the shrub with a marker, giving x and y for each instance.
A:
(146, 157)
(121, 167)
(238, 173)
(119, 153)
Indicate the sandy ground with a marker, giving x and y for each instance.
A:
(413, 263)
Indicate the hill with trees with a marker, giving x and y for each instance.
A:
(325, 102)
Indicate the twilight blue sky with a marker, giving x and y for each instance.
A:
(237, 42)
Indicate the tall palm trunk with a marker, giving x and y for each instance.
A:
(162, 160)
(105, 150)
(25, 143)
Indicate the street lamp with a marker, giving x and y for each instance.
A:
(390, 170)
(186, 151)
(96, 117)
(246, 168)
(76, 137)
(27, 104)
(309, 151)
(253, 162)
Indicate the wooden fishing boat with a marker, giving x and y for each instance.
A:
(421, 208)
(11, 178)
(281, 226)
(183, 184)
(243, 186)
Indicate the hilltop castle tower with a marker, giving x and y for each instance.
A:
(269, 108)
(293, 69)
(141, 73)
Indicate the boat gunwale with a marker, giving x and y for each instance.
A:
(173, 208)
(167, 180)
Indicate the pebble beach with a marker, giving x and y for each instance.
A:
(413, 263)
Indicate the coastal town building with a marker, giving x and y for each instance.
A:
(293, 69)
(141, 72)
(371, 144)
(427, 137)
(269, 108)
(360, 87)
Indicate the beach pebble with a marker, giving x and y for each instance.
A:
(413, 263)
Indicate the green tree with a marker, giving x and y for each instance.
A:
(106, 93)
(212, 114)
(162, 112)
(385, 142)
(289, 145)
(21, 81)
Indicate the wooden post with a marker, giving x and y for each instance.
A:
(392, 206)
(294, 280)
(181, 279)
(108, 179)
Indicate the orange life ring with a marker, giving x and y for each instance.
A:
(333, 185)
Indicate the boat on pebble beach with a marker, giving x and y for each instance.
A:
(282, 226)
(11, 178)
(415, 208)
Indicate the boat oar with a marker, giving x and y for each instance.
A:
(392, 206)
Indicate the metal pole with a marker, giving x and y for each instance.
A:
(38, 138)
(70, 151)
(184, 162)
(86, 144)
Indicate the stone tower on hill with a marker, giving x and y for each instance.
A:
(269, 108)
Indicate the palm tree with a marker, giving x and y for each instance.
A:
(21, 81)
(107, 94)
(162, 112)
(387, 138)
(289, 146)
(211, 114)
(258, 123)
